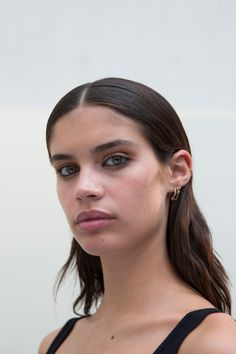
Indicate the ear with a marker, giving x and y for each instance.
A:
(180, 168)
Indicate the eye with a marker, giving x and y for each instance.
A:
(67, 171)
(116, 160)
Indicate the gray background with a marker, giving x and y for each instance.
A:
(184, 49)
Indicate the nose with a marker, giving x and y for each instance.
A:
(88, 187)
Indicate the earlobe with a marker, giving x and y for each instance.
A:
(181, 168)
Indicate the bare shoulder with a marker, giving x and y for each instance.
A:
(215, 335)
(46, 342)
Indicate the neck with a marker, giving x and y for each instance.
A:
(144, 280)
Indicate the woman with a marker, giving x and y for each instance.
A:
(141, 247)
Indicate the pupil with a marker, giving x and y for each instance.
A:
(70, 169)
(117, 159)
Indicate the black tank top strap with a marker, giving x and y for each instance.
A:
(63, 334)
(188, 323)
(170, 345)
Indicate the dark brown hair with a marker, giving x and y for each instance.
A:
(188, 238)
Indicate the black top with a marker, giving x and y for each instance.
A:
(170, 345)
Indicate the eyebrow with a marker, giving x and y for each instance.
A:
(99, 148)
(111, 144)
(61, 157)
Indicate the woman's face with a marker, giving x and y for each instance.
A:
(105, 165)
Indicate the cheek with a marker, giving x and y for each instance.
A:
(141, 205)
(142, 190)
(63, 196)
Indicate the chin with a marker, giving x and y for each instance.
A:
(96, 246)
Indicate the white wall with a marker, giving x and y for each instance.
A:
(184, 49)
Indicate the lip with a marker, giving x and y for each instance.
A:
(93, 220)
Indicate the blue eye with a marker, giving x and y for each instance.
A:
(116, 160)
(67, 171)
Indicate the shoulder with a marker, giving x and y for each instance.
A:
(46, 342)
(215, 335)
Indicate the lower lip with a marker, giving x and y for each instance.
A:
(94, 225)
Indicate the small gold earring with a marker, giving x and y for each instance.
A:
(175, 194)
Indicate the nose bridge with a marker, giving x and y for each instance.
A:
(87, 184)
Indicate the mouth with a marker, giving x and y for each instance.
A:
(93, 220)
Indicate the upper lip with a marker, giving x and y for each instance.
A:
(92, 215)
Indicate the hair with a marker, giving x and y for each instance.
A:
(189, 241)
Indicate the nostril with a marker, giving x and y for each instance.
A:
(88, 193)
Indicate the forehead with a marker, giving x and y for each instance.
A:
(91, 125)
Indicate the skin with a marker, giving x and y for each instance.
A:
(131, 184)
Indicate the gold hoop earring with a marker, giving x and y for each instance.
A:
(175, 194)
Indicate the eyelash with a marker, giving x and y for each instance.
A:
(75, 168)
(60, 169)
(125, 160)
